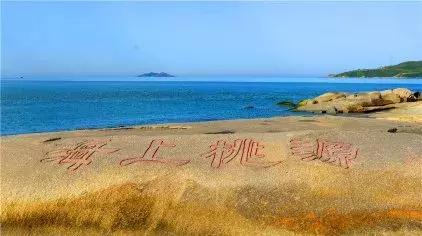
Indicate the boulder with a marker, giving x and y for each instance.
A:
(353, 108)
(362, 99)
(326, 97)
(392, 98)
(403, 93)
(337, 102)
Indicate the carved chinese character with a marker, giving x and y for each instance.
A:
(304, 148)
(247, 151)
(151, 154)
(78, 155)
(337, 153)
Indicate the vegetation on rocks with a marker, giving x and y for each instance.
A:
(409, 69)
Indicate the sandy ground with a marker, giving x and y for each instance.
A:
(284, 176)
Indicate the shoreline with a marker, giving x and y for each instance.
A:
(145, 125)
(170, 124)
(397, 114)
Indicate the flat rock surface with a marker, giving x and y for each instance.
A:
(294, 175)
(410, 112)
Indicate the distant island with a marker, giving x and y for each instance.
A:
(154, 74)
(409, 69)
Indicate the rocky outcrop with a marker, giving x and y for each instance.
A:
(336, 102)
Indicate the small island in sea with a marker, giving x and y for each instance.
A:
(154, 74)
(409, 69)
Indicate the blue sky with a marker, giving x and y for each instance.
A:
(206, 38)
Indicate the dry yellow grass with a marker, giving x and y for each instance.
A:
(153, 207)
(163, 206)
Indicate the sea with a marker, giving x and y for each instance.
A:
(33, 106)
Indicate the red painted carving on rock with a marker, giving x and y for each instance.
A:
(337, 153)
(78, 155)
(151, 154)
(248, 152)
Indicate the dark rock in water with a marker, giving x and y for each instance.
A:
(286, 104)
(249, 107)
(418, 95)
(51, 140)
(392, 130)
(154, 74)
(121, 128)
(222, 132)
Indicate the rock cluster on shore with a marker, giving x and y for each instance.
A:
(338, 102)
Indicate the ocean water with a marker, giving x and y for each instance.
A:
(42, 106)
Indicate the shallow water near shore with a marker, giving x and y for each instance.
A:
(43, 106)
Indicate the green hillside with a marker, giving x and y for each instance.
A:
(409, 69)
